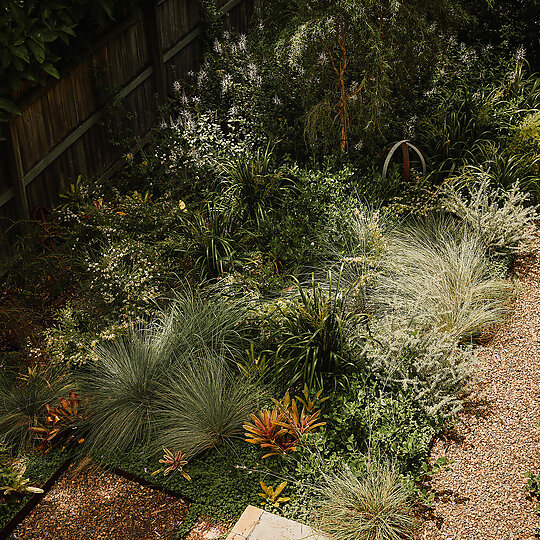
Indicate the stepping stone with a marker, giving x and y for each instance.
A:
(256, 524)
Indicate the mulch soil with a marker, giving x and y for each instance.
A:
(94, 504)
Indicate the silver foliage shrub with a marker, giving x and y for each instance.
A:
(430, 365)
(501, 218)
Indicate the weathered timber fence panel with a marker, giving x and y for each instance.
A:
(59, 136)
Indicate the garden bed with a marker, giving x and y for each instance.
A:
(250, 313)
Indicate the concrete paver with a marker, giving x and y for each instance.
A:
(256, 524)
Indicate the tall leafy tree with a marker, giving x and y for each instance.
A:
(351, 57)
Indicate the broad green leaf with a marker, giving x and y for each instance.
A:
(38, 50)
(20, 52)
(49, 36)
(19, 64)
(69, 31)
(51, 70)
(18, 14)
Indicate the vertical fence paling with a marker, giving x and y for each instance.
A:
(156, 52)
(15, 174)
(37, 165)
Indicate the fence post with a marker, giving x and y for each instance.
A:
(156, 53)
(16, 175)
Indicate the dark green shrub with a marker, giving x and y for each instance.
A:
(211, 240)
(312, 333)
(253, 186)
(369, 417)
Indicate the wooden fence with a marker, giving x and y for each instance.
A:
(58, 135)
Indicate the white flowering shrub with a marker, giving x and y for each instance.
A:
(233, 105)
(73, 341)
(202, 141)
(430, 365)
(501, 218)
(126, 263)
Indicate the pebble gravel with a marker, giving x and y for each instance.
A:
(495, 440)
(94, 504)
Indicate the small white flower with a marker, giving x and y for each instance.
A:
(226, 83)
(242, 42)
(251, 71)
(202, 77)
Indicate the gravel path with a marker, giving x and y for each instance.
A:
(495, 440)
(94, 504)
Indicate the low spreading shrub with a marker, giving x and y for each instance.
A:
(431, 366)
(499, 217)
(371, 417)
